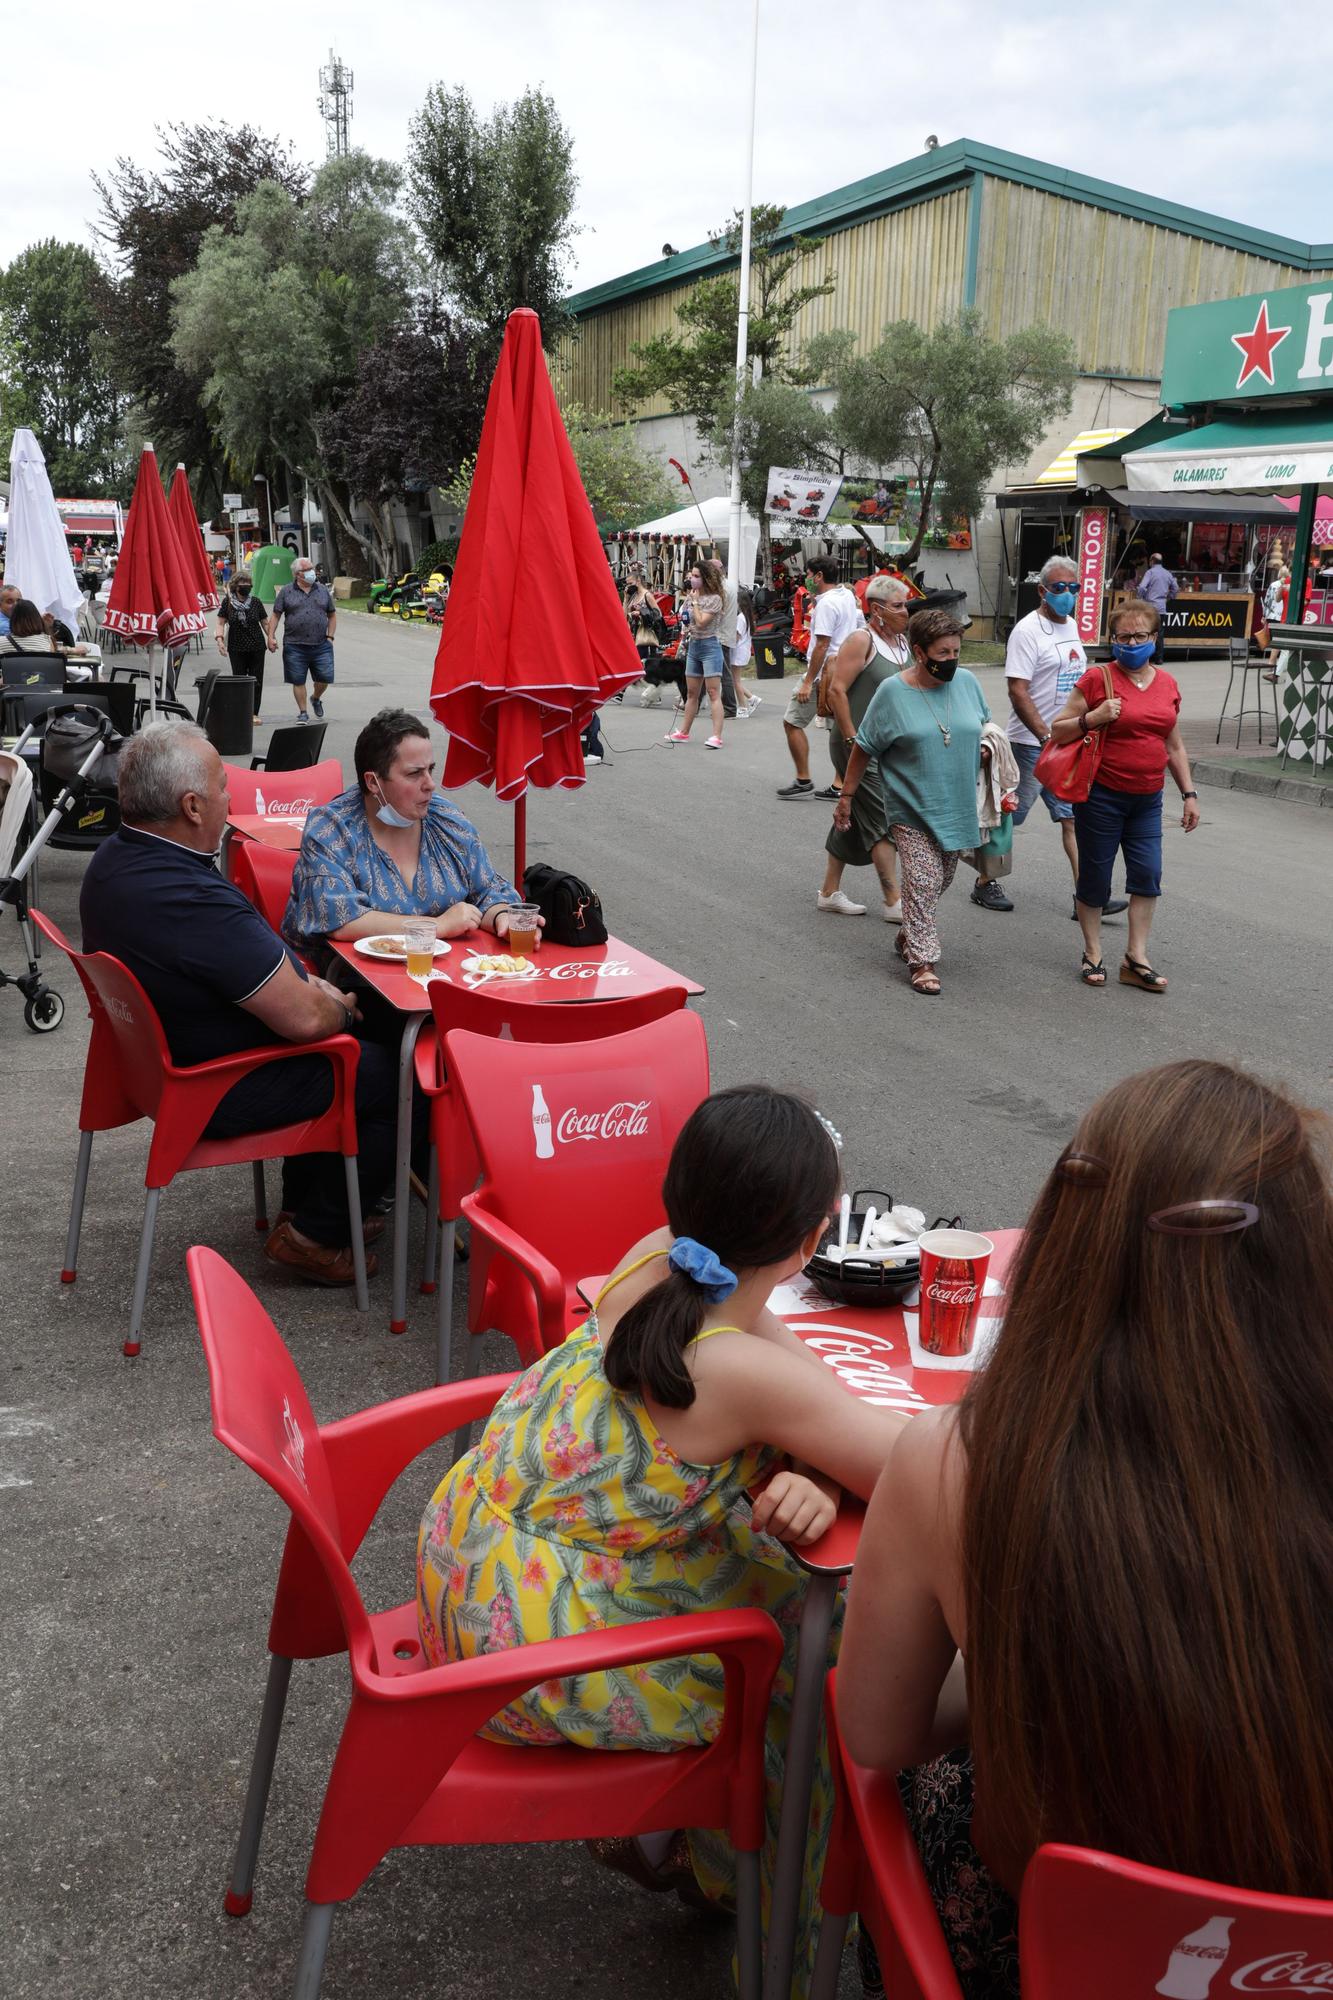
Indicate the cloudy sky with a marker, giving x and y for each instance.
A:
(1210, 106)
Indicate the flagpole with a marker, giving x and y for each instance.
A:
(743, 314)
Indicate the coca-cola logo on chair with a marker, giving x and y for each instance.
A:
(593, 1116)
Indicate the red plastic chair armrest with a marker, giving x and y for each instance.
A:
(199, 1090)
(546, 1281)
(748, 1644)
(428, 1058)
(367, 1452)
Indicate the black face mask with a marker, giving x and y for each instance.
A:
(243, 591)
(940, 670)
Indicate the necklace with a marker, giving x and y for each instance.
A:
(943, 727)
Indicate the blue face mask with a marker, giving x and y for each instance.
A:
(1060, 602)
(1133, 656)
(388, 815)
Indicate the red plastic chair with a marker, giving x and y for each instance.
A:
(264, 874)
(1089, 1924)
(573, 1143)
(129, 1075)
(285, 791)
(410, 1770)
(454, 1165)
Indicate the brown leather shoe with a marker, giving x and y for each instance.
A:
(315, 1263)
(371, 1229)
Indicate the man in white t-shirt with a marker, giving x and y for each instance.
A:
(835, 616)
(1043, 660)
(726, 632)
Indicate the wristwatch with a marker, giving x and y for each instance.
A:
(1189, 795)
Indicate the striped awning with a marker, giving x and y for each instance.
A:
(1063, 471)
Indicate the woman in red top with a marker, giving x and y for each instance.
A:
(1124, 808)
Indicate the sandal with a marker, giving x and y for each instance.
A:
(923, 979)
(1093, 975)
(1134, 973)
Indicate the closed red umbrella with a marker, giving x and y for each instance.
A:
(535, 639)
(180, 506)
(153, 597)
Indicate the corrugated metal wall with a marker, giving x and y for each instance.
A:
(1105, 279)
(905, 265)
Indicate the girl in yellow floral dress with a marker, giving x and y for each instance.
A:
(612, 1482)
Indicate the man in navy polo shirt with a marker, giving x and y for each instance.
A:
(222, 980)
(307, 635)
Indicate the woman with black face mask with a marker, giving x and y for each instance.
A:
(923, 727)
(240, 632)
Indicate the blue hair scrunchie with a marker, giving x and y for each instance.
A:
(704, 1266)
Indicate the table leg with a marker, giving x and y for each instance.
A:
(402, 1193)
(807, 1705)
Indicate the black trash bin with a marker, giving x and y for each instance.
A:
(229, 717)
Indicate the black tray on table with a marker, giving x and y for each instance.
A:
(867, 1281)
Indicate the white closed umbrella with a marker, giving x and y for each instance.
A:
(36, 553)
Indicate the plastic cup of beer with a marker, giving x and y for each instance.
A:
(954, 1263)
(522, 933)
(420, 943)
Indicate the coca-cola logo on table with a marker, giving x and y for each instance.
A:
(862, 1362)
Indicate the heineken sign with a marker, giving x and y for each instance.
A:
(1277, 343)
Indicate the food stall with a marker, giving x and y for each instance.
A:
(1252, 379)
(1082, 507)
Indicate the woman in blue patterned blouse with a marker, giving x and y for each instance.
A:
(392, 847)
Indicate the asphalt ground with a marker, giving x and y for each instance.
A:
(137, 1558)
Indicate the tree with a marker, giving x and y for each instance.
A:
(153, 222)
(494, 201)
(952, 404)
(55, 365)
(624, 485)
(773, 423)
(414, 414)
(273, 317)
(696, 370)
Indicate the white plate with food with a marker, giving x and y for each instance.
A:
(393, 944)
(499, 965)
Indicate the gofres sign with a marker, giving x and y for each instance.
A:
(1276, 343)
(1094, 524)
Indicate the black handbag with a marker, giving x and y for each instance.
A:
(572, 910)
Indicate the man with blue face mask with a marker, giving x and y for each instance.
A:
(1043, 661)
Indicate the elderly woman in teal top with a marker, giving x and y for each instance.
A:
(924, 729)
(392, 847)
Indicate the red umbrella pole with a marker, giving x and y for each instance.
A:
(520, 839)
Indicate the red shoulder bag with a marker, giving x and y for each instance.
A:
(1070, 769)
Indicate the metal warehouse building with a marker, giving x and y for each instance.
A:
(967, 225)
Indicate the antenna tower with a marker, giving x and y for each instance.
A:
(335, 105)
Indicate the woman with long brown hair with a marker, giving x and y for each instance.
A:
(703, 655)
(1125, 1529)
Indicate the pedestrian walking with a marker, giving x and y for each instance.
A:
(645, 621)
(836, 615)
(1123, 810)
(1157, 587)
(924, 729)
(241, 637)
(742, 653)
(703, 658)
(310, 618)
(864, 662)
(1042, 662)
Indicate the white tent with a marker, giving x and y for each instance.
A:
(37, 558)
(710, 521)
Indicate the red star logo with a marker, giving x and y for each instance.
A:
(1258, 346)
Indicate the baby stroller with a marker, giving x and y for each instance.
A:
(76, 768)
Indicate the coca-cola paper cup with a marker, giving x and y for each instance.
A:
(954, 1263)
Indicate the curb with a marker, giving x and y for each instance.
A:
(1265, 784)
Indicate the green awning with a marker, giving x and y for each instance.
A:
(1262, 453)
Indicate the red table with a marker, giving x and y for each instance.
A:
(870, 1353)
(570, 975)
